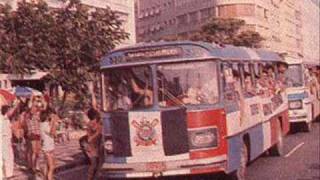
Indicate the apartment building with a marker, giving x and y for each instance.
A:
(278, 21)
(310, 30)
(164, 19)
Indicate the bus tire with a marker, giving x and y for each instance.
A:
(240, 173)
(277, 149)
(308, 126)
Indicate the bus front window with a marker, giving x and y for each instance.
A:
(128, 88)
(294, 76)
(188, 84)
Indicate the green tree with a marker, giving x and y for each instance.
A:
(67, 42)
(227, 31)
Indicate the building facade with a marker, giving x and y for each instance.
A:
(125, 8)
(310, 30)
(280, 22)
(166, 19)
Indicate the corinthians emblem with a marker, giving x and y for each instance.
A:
(146, 134)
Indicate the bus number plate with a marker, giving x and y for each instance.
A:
(156, 167)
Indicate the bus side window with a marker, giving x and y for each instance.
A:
(266, 84)
(232, 82)
(228, 80)
(249, 86)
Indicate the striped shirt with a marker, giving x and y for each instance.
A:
(33, 124)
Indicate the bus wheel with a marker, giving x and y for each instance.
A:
(240, 173)
(308, 126)
(277, 149)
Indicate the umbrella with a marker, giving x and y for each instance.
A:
(25, 91)
(6, 97)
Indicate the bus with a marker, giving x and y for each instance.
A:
(185, 108)
(303, 92)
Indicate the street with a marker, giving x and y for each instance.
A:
(301, 161)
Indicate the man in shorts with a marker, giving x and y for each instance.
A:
(32, 125)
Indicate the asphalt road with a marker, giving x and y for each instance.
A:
(301, 161)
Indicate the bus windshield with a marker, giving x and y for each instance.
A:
(294, 76)
(188, 83)
(128, 88)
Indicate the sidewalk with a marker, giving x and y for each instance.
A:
(68, 155)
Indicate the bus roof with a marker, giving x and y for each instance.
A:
(292, 61)
(160, 52)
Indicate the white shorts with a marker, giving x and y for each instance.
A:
(48, 144)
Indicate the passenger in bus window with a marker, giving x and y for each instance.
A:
(144, 93)
(281, 79)
(262, 85)
(239, 93)
(208, 93)
(266, 84)
(248, 86)
(123, 101)
(237, 83)
(193, 96)
(308, 80)
(314, 85)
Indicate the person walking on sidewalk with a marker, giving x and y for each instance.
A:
(94, 132)
(48, 131)
(7, 150)
(32, 126)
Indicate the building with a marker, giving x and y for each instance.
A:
(280, 22)
(163, 19)
(125, 8)
(310, 30)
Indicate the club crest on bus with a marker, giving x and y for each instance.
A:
(146, 134)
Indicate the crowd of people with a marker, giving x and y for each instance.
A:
(30, 126)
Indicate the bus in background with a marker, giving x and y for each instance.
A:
(179, 108)
(303, 91)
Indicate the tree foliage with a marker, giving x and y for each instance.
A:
(67, 42)
(227, 31)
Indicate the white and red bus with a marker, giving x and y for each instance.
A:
(178, 108)
(303, 89)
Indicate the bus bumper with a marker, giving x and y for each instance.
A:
(297, 116)
(170, 168)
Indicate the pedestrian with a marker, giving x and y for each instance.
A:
(7, 150)
(18, 135)
(48, 132)
(32, 127)
(94, 135)
(1, 153)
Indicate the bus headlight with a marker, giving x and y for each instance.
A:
(204, 138)
(295, 104)
(108, 146)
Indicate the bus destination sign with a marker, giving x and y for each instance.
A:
(142, 55)
(155, 53)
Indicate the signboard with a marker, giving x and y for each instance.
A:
(148, 54)
(155, 53)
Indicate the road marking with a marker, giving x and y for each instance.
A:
(294, 149)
